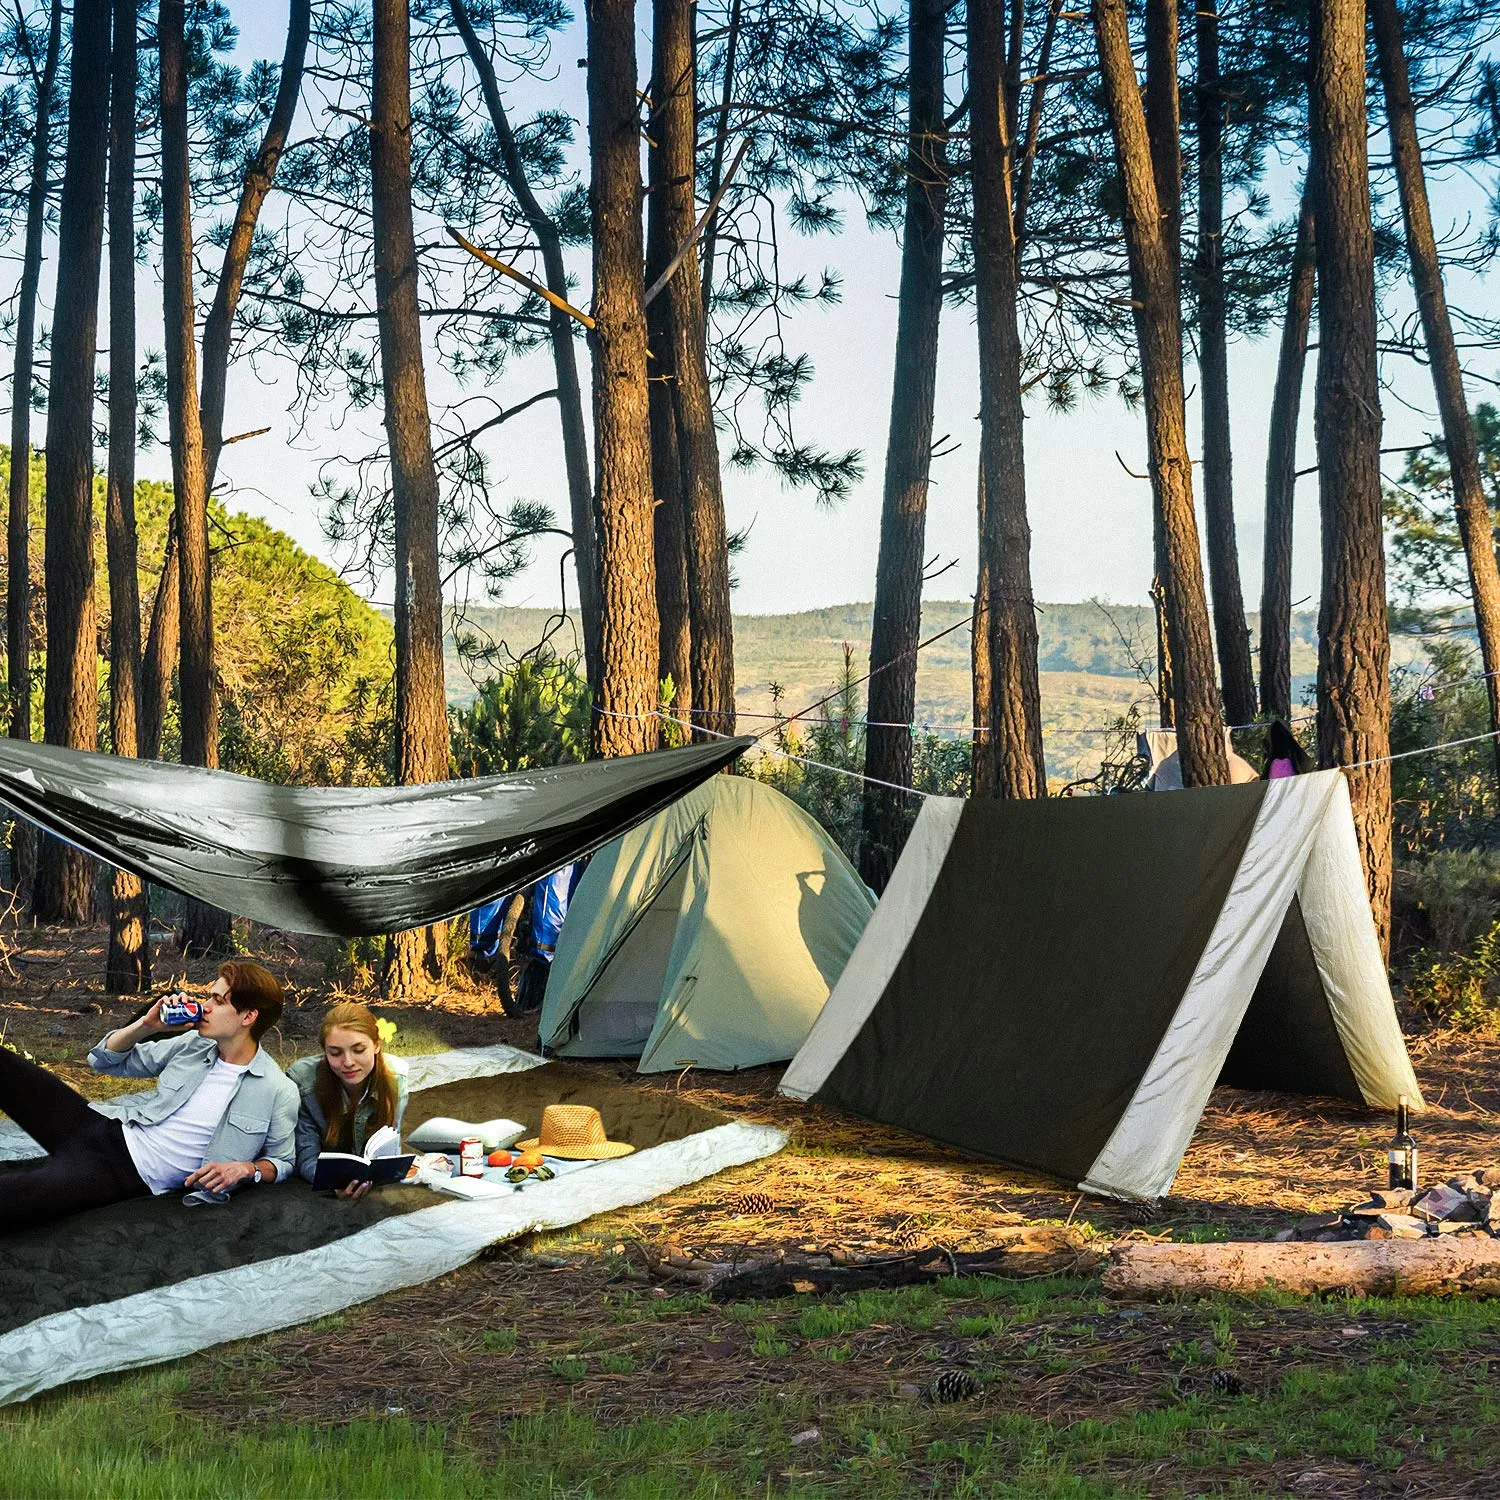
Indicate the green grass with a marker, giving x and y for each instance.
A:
(1415, 1391)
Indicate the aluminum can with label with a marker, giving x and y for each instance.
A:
(180, 1010)
(471, 1157)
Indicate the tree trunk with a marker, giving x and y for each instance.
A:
(64, 885)
(18, 582)
(1014, 719)
(981, 762)
(161, 648)
(721, 146)
(1474, 524)
(1354, 704)
(417, 958)
(1230, 628)
(674, 123)
(564, 350)
(1281, 478)
(218, 326)
(1164, 130)
(897, 624)
(624, 721)
(127, 969)
(207, 929)
(18, 528)
(1153, 276)
(674, 613)
(1431, 1267)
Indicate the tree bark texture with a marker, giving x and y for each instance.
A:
(1435, 1267)
(564, 350)
(674, 126)
(1354, 705)
(669, 529)
(18, 527)
(721, 145)
(200, 741)
(1153, 276)
(1163, 107)
(624, 722)
(1014, 718)
(897, 624)
(981, 762)
(1281, 477)
(161, 648)
(1474, 524)
(207, 929)
(127, 968)
(63, 890)
(1231, 630)
(218, 326)
(421, 710)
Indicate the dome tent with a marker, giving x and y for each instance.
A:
(709, 935)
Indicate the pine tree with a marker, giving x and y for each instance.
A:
(64, 886)
(1354, 705)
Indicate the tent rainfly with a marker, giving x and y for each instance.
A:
(709, 935)
(1059, 984)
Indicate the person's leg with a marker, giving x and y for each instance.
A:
(41, 1103)
(92, 1169)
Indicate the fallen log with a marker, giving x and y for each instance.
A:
(1035, 1251)
(1437, 1266)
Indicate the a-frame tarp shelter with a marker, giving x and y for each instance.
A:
(710, 934)
(1060, 984)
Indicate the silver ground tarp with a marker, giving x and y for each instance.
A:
(342, 861)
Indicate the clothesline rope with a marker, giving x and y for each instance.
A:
(1358, 765)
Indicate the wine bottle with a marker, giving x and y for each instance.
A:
(1403, 1151)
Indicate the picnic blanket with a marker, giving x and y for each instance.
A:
(154, 1279)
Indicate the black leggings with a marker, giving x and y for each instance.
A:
(88, 1163)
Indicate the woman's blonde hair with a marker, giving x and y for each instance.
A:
(333, 1099)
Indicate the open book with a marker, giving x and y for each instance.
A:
(382, 1162)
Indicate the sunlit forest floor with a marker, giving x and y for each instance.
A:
(555, 1366)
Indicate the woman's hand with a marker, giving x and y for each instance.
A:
(352, 1192)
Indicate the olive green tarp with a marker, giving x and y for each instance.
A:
(1060, 983)
(342, 861)
(708, 935)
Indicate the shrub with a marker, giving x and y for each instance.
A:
(1446, 900)
(1459, 990)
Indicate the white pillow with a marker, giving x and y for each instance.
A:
(442, 1133)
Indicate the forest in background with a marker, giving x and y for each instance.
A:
(406, 221)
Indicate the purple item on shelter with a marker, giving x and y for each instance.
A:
(1279, 768)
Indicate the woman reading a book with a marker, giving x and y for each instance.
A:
(349, 1091)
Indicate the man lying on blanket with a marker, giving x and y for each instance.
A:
(222, 1115)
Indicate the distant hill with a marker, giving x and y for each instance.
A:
(1087, 653)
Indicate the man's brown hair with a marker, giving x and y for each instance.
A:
(252, 987)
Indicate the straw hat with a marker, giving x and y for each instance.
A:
(576, 1133)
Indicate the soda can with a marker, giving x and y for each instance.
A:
(471, 1157)
(179, 1010)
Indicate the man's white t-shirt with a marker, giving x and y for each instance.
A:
(167, 1153)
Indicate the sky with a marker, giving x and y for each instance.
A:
(1091, 533)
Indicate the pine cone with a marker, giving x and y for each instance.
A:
(1147, 1212)
(1226, 1383)
(908, 1236)
(952, 1385)
(752, 1203)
